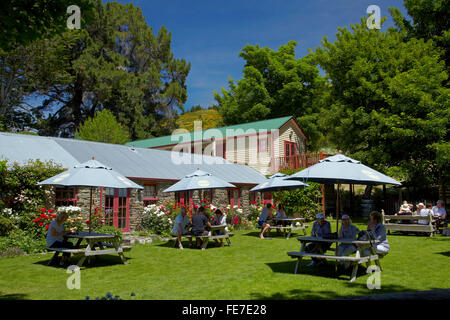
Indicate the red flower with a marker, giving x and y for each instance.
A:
(43, 209)
(47, 226)
(253, 202)
(43, 216)
(50, 210)
(87, 221)
(41, 224)
(36, 220)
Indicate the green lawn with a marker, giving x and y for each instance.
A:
(250, 269)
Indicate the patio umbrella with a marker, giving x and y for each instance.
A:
(339, 169)
(199, 180)
(277, 182)
(91, 174)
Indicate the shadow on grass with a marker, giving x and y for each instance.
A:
(324, 271)
(92, 262)
(273, 234)
(360, 292)
(170, 245)
(13, 296)
(445, 253)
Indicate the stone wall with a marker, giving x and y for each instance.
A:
(136, 202)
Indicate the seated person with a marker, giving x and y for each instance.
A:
(55, 237)
(219, 220)
(378, 230)
(266, 214)
(281, 214)
(439, 214)
(180, 227)
(423, 212)
(347, 231)
(199, 224)
(405, 209)
(320, 228)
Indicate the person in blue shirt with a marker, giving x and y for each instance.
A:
(266, 214)
(378, 230)
(320, 228)
(439, 214)
(347, 231)
(180, 227)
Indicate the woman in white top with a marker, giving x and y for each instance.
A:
(219, 220)
(55, 237)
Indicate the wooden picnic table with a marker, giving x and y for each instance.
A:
(288, 225)
(97, 244)
(215, 230)
(354, 261)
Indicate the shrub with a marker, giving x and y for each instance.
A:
(110, 230)
(6, 226)
(156, 218)
(22, 240)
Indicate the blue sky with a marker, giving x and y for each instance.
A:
(210, 34)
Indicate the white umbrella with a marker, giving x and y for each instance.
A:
(91, 174)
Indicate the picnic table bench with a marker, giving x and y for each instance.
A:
(213, 235)
(96, 246)
(391, 223)
(288, 225)
(354, 261)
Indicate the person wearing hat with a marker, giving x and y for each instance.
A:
(424, 212)
(405, 209)
(347, 231)
(439, 214)
(55, 237)
(320, 228)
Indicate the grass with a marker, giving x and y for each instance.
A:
(250, 269)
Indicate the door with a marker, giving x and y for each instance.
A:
(290, 150)
(117, 204)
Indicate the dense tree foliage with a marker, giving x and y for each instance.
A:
(115, 63)
(103, 127)
(210, 118)
(274, 84)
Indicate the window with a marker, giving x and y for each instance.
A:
(182, 197)
(234, 197)
(65, 197)
(150, 195)
(262, 143)
(109, 206)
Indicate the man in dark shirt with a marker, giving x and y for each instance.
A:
(199, 222)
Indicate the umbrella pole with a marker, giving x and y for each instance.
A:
(90, 209)
(338, 203)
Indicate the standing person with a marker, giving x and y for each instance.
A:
(379, 232)
(55, 237)
(180, 227)
(440, 214)
(199, 224)
(219, 220)
(320, 228)
(266, 214)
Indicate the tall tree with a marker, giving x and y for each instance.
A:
(115, 63)
(274, 84)
(387, 104)
(103, 127)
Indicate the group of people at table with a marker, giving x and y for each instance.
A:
(322, 228)
(198, 227)
(438, 212)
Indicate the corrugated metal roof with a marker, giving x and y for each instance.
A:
(271, 124)
(131, 162)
